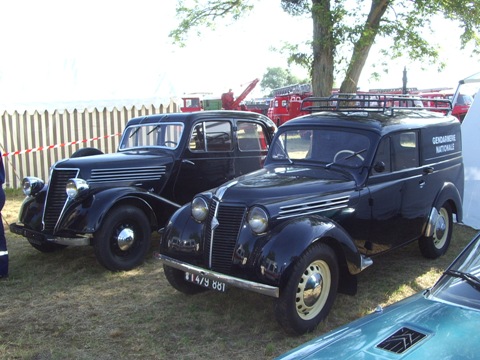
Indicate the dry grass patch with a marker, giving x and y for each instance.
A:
(66, 306)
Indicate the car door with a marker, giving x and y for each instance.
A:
(252, 142)
(207, 160)
(398, 200)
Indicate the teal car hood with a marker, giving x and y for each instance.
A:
(450, 332)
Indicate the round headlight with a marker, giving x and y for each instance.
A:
(257, 219)
(75, 186)
(32, 185)
(199, 209)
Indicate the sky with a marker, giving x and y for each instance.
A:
(66, 52)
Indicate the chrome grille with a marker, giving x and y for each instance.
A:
(401, 340)
(127, 174)
(56, 196)
(220, 241)
(312, 207)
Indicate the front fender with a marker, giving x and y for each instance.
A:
(182, 235)
(288, 241)
(85, 216)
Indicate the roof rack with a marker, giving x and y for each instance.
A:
(361, 102)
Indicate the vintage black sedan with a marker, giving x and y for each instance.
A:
(115, 201)
(339, 187)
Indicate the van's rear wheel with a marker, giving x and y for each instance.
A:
(437, 245)
(310, 291)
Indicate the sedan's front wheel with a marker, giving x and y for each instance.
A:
(310, 291)
(123, 239)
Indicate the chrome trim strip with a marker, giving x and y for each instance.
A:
(312, 207)
(212, 275)
(83, 241)
(212, 231)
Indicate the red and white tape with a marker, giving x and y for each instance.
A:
(40, 148)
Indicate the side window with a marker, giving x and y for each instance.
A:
(197, 138)
(251, 136)
(211, 136)
(383, 156)
(405, 150)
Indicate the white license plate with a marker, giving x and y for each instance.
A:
(205, 282)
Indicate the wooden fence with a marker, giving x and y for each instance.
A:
(31, 143)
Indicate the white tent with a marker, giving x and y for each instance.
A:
(471, 158)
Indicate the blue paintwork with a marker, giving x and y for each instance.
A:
(451, 329)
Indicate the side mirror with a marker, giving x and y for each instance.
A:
(379, 167)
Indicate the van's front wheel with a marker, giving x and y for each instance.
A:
(310, 291)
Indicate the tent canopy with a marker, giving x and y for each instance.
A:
(471, 160)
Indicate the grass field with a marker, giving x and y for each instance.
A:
(66, 306)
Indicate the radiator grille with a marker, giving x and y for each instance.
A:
(220, 240)
(56, 196)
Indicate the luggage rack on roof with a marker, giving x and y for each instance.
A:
(373, 103)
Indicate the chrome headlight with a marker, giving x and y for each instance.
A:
(32, 185)
(257, 219)
(75, 187)
(199, 208)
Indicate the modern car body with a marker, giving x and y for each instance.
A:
(438, 323)
(115, 201)
(356, 178)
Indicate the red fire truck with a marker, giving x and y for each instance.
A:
(287, 102)
(226, 102)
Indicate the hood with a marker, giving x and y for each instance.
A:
(122, 168)
(284, 182)
(441, 331)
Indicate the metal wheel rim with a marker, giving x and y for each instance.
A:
(441, 229)
(313, 289)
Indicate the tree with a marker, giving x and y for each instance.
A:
(277, 77)
(351, 27)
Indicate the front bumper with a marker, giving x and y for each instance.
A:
(227, 279)
(39, 237)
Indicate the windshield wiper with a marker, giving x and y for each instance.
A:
(469, 278)
(155, 128)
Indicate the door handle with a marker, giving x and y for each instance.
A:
(428, 170)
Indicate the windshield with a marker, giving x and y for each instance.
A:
(166, 136)
(326, 146)
(460, 283)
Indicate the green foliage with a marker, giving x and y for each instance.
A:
(345, 30)
(277, 77)
(205, 13)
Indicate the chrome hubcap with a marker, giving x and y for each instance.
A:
(125, 239)
(313, 289)
(441, 229)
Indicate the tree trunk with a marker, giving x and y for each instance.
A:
(323, 49)
(363, 45)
